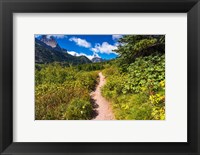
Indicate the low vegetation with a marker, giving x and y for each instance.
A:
(138, 93)
(63, 92)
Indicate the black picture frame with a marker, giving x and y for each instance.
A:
(8, 7)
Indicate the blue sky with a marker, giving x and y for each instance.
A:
(88, 45)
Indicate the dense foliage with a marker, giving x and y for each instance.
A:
(136, 88)
(134, 46)
(63, 92)
(140, 92)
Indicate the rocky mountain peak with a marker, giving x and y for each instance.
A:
(49, 40)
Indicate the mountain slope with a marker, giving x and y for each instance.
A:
(47, 52)
(97, 59)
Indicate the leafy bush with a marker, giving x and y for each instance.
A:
(139, 93)
(60, 89)
(145, 74)
(112, 70)
(78, 109)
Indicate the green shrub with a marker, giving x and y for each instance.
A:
(56, 88)
(139, 92)
(146, 74)
(78, 109)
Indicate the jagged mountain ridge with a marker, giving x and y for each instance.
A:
(50, 41)
(50, 51)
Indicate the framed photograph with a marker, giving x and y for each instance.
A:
(106, 77)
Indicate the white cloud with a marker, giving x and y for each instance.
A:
(82, 54)
(73, 53)
(90, 56)
(80, 42)
(104, 48)
(120, 44)
(116, 36)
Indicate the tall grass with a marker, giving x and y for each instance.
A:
(62, 93)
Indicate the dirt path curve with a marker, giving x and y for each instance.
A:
(102, 106)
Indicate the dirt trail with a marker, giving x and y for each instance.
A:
(101, 105)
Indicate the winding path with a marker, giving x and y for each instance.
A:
(102, 107)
